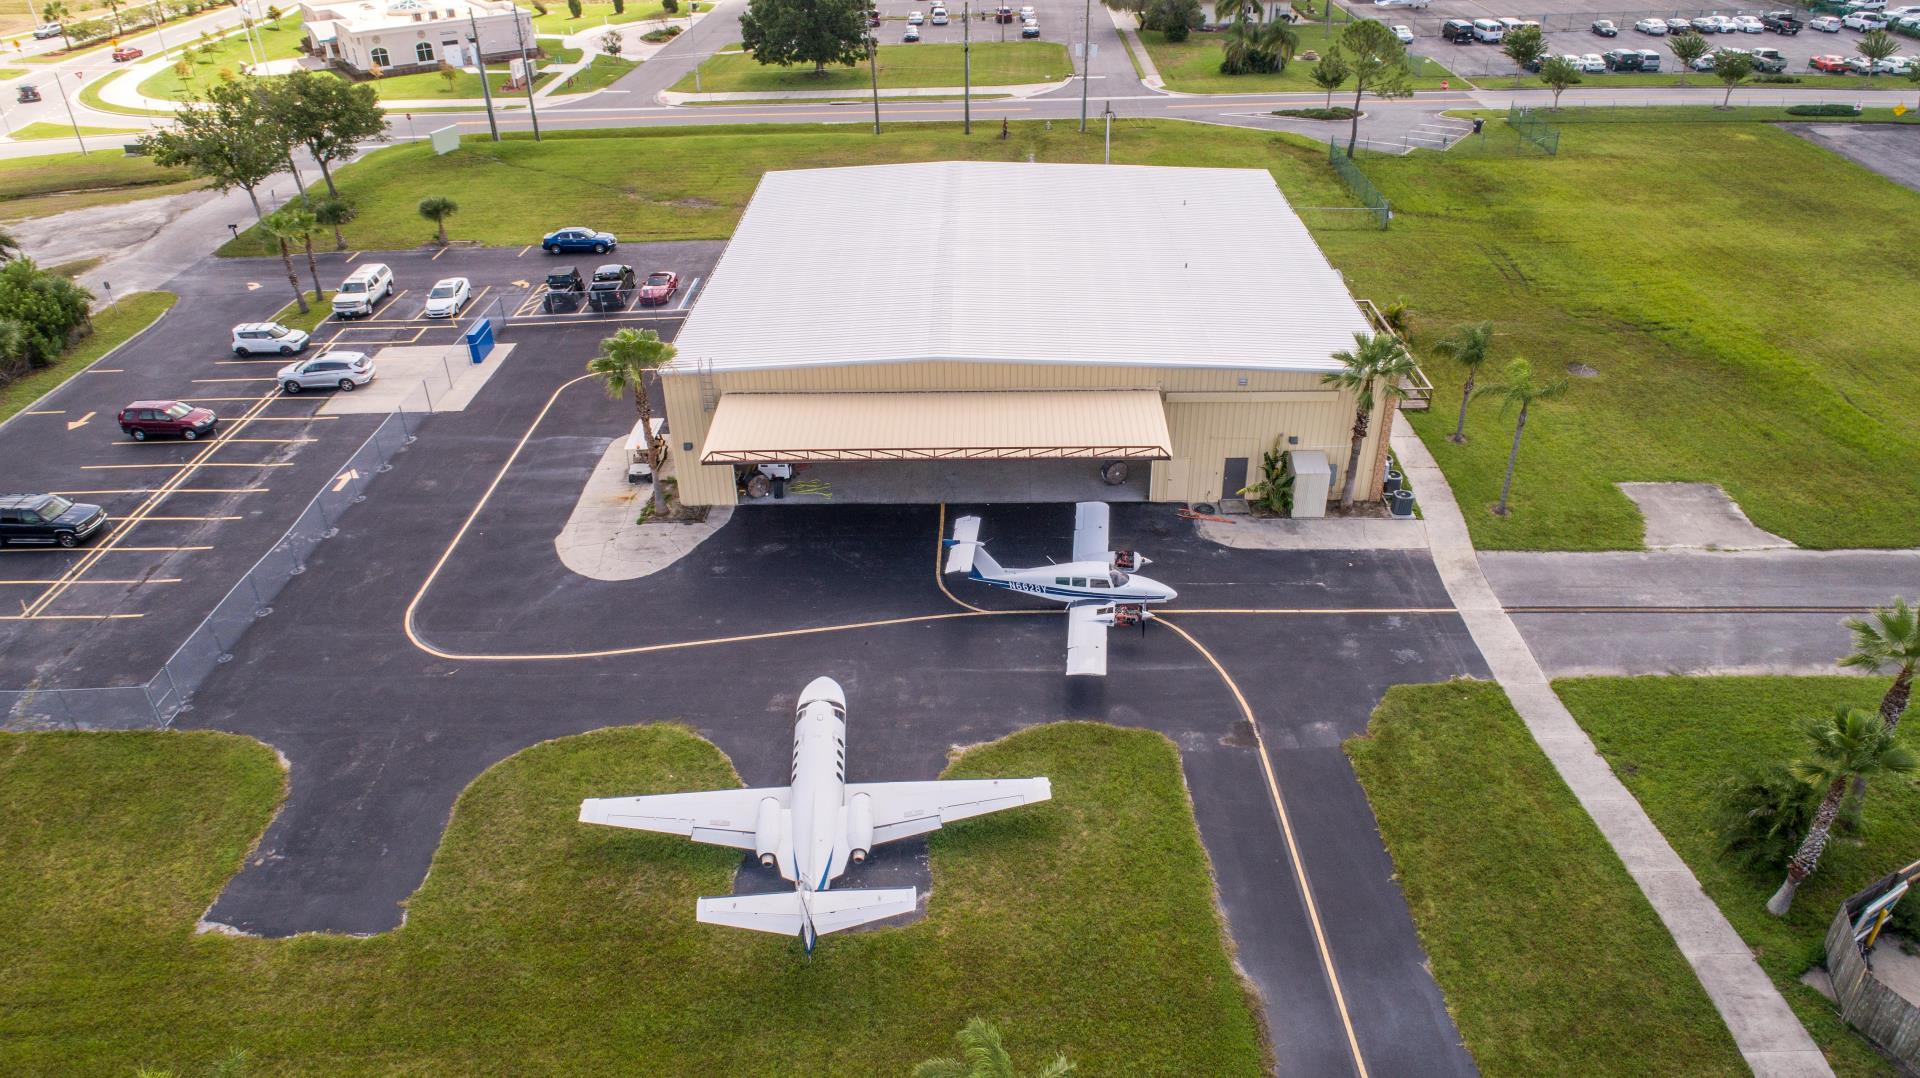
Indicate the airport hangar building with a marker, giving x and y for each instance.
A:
(1000, 332)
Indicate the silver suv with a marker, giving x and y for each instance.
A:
(360, 293)
(329, 370)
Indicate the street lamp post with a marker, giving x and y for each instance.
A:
(526, 71)
(1108, 113)
(873, 70)
(1086, 62)
(480, 62)
(70, 117)
(966, 67)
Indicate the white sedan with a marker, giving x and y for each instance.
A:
(1865, 20)
(1826, 24)
(1592, 62)
(1747, 24)
(447, 297)
(1656, 27)
(1405, 34)
(1401, 3)
(914, 18)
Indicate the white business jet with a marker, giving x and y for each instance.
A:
(813, 829)
(1099, 586)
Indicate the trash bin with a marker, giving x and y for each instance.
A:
(479, 340)
(1402, 503)
(1392, 482)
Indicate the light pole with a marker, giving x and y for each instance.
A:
(1086, 62)
(70, 119)
(480, 62)
(966, 67)
(873, 69)
(526, 71)
(1108, 113)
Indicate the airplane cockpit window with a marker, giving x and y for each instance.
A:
(1119, 579)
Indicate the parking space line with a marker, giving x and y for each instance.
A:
(204, 381)
(437, 254)
(293, 418)
(282, 360)
(174, 520)
(355, 255)
(176, 490)
(105, 370)
(691, 289)
(47, 411)
(100, 550)
(524, 250)
(202, 464)
(149, 580)
(68, 617)
(251, 441)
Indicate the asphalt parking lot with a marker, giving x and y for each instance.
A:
(1059, 22)
(191, 517)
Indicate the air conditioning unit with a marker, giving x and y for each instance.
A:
(1312, 479)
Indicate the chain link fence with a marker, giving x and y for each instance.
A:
(1528, 124)
(1362, 187)
(157, 702)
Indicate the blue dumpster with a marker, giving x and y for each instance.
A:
(480, 340)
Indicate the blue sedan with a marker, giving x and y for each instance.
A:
(577, 239)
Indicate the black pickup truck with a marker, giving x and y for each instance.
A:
(564, 290)
(1781, 22)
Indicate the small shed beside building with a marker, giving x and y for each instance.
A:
(962, 331)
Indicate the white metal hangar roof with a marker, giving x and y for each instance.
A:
(1021, 263)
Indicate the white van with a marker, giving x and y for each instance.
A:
(363, 291)
(637, 465)
(939, 15)
(1488, 30)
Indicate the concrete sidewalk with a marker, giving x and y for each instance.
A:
(1764, 1028)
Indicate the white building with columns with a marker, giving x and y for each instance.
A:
(415, 35)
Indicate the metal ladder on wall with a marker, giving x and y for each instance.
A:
(709, 393)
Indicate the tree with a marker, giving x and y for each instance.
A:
(282, 230)
(611, 43)
(1524, 45)
(1379, 64)
(1732, 69)
(57, 13)
(1517, 387)
(1913, 76)
(983, 1056)
(817, 32)
(1849, 744)
(327, 115)
(9, 246)
(232, 139)
(183, 69)
(623, 363)
(334, 212)
(1687, 48)
(448, 73)
(1889, 637)
(437, 208)
(1876, 45)
(1470, 346)
(1374, 368)
(296, 221)
(1174, 18)
(113, 12)
(1559, 73)
(619, 7)
(573, 8)
(1330, 72)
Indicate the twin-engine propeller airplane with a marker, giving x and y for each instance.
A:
(1099, 586)
(813, 829)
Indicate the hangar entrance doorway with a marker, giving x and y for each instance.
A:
(917, 448)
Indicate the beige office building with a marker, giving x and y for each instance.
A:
(984, 331)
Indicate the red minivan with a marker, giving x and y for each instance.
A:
(150, 419)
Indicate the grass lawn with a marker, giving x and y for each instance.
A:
(558, 53)
(1550, 957)
(428, 85)
(669, 184)
(40, 130)
(1728, 347)
(12, 72)
(318, 310)
(1193, 66)
(902, 67)
(112, 326)
(90, 96)
(540, 945)
(281, 37)
(55, 183)
(593, 13)
(604, 71)
(1671, 740)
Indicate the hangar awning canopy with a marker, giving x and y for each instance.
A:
(1121, 424)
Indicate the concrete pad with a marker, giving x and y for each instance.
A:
(1322, 533)
(602, 539)
(420, 378)
(1895, 968)
(1696, 516)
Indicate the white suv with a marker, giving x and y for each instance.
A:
(363, 291)
(252, 337)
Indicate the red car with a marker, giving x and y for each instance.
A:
(148, 419)
(125, 53)
(658, 288)
(1833, 64)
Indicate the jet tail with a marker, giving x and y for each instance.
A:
(965, 551)
(807, 914)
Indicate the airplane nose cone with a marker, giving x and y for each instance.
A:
(1169, 592)
(823, 688)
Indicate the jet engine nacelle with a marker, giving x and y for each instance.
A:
(766, 831)
(859, 827)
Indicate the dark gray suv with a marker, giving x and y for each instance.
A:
(47, 520)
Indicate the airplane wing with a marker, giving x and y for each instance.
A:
(904, 809)
(1086, 641)
(786, 913)
(1090, 532)
(715, 817)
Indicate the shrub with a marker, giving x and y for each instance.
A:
(46, 307)
(1338, 112)
(573, 8)
(1763, 814)
(619, 7)
(1823, 110)
(670, 6)
(1777, 78)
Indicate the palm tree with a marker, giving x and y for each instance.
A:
(281, 228)
(983, 1056)
(113, 9)
(1376, 365)
(1850, 744)
(57, 12)
(1277, 42)
(437, 209)
(1518, 387)
(1888, 638)
(298, 219)
(623, 363)
(1876, 45)
(1470, 346)
(334, 212)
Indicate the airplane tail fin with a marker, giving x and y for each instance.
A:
(807, 914)
(965, 551)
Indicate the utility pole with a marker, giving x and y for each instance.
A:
(966, 66)
(1108, 113)
(873, 69)
(479, 62)
(1086, 62)
(526, 69)
(76, 123)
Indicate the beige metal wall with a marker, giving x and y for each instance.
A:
(1211, 414)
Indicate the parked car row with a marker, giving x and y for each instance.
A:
(1618, 60)
(611, 288)
(1860, 65)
